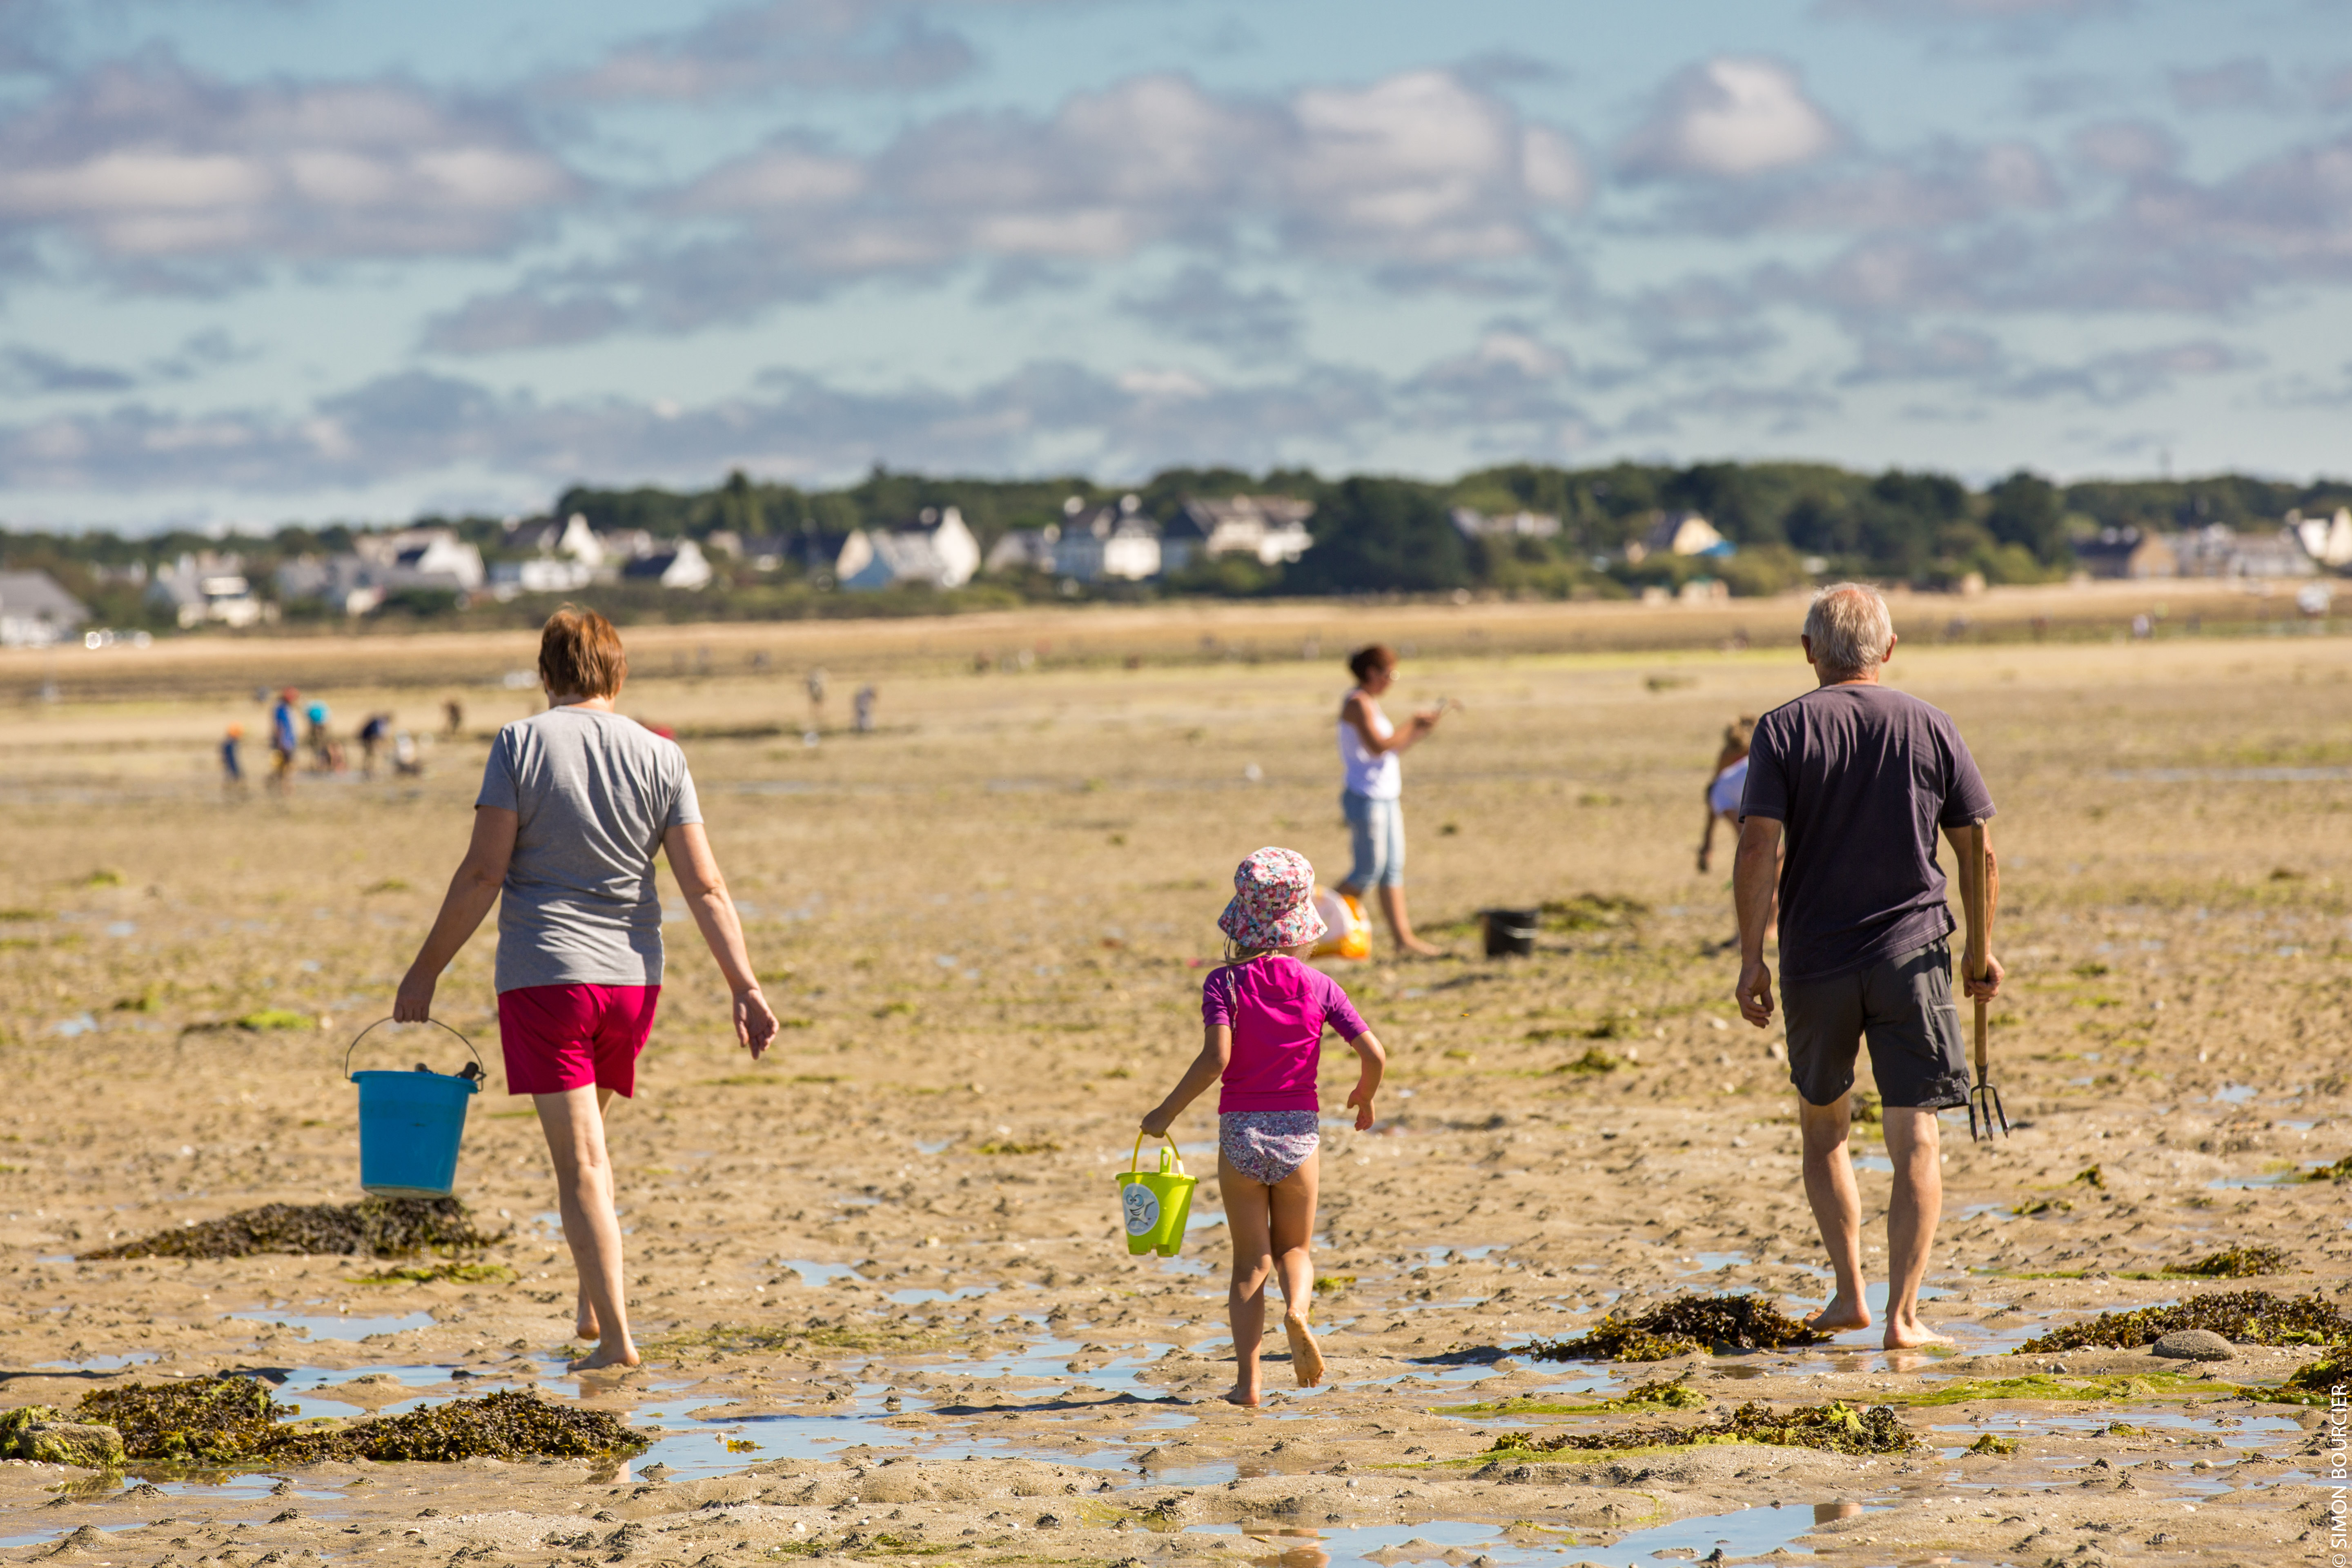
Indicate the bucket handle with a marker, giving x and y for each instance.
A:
(1135, 1160)
(480, 1073)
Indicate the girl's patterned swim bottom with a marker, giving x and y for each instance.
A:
(1267, 1145)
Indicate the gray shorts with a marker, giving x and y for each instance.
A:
(1903, 1008)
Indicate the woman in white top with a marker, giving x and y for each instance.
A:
(1726, 784)
(1369, 747)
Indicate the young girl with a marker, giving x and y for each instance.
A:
(1262, 1015)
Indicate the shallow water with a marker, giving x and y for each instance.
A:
(336, 1326)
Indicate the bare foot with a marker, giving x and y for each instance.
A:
(1420, 948)
(1306, 1355)
(1910, 1334)
(1243, 1395)
(607, 1358)
(584, 1326)
(1839, 1316)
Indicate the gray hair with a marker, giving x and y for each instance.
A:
(1850, 629)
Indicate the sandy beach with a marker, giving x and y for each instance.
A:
(885, 1306)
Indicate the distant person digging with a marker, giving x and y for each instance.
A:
(1372, 798)
(1859, 777)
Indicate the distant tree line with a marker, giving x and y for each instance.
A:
(1790, 523)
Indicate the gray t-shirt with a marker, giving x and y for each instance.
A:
(1859, 777)
(596, 793)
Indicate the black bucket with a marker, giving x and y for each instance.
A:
(1508, 932)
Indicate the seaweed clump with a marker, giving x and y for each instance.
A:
(234, 1420)
(385, 1227)
(2246, 1317)
(1682, 1326)
(2238, 1263)
(1836, 1427)
(1673, 1396)
(2316, 1384)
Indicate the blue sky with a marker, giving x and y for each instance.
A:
(263, 260)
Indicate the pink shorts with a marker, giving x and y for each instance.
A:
(560, 1037)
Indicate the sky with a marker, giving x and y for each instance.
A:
(279, 261)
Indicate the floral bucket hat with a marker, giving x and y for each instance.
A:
(1274, 902)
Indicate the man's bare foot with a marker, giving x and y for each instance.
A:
(1910, 1334)
(1839, 1316)
(1243, 1395)
(1306, 1355)
(616, 1358)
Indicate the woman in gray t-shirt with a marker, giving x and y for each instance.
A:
(575, 803)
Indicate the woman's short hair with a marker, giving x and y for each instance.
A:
(1849, 629)
(580, 654)
(1740, 733)
(1365, 660)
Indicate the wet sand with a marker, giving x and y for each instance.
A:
(986, 927)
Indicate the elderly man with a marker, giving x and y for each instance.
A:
(1859, 778)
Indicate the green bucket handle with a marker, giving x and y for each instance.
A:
(482, 1074)
(1168, 1156)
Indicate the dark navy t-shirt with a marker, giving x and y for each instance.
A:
(1859, 777)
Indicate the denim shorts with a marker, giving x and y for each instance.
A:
(1376, 839)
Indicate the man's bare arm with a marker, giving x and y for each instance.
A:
(1967, 842)
(1754, 869)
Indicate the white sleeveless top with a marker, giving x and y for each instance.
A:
(1375, 776)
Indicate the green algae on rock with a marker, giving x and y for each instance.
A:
(39, 1433)
(2238, 1263)
(1836, 1427)
(235, 1420)
(1682, 1326)
(385, 1227)
(2247, 1317)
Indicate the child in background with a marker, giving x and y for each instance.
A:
(1725, 784)
(1263, 1017)
(232, 770)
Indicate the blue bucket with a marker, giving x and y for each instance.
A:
(410, 1124)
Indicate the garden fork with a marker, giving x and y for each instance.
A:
(1984, 1100)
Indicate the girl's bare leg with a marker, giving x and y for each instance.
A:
(1292, 1205)
(1248, 1224)
(575, 1124)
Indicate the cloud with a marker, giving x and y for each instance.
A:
(1969, 10)
(2127, 147)
(33, 371)
(153, 166)
(416, 425)
(1965, 354)
(1419, 170)
(1943, 185)
(1726, 119)
(869, 45)
(1201, 305)
(2167, 243)
(2234, 84)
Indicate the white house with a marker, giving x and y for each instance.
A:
(2326, 540)
(675, 564)
(1271, 528)
(1029, 548)
(1107, 542)
(1683, 533)
(203, 587)
(937, 549)
(2221, 552)
(572, 538)
(1474, 524)
(379, 564)
(34, 612)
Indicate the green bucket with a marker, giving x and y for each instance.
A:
(1153, 1205)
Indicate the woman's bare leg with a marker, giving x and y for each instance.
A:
(1401, 923)
(575, 1124)
(1292, 1203)
(1248, 1224)
(584, 1326)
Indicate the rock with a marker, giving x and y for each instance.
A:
(35, 1432)
(2194, 1344)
